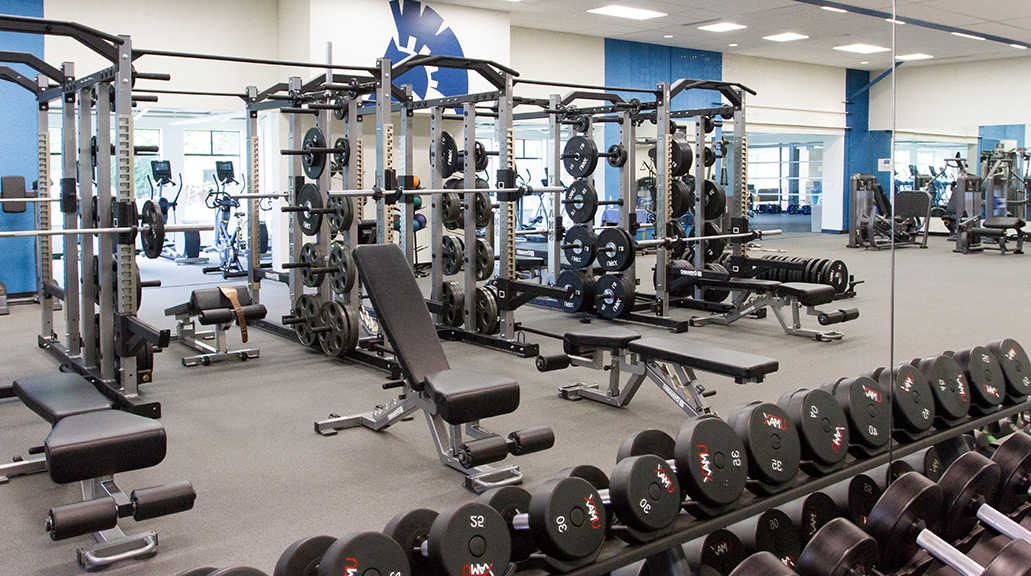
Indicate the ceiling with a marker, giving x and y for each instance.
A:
(1007, 19)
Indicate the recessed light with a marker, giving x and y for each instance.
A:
(917, 56)
(722, 27)
(732, 45)
(626, 12)
(865, 62)
(1019, 46)
(785, 37)
(862, 48)
(833, 9)
(668, 36)
(899, 22)
(971, 36)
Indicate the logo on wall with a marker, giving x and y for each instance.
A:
(421, 31)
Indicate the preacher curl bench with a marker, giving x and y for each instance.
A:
(89, 443)
(451, 399)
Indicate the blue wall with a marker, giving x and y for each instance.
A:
(18, 153)
(862, 147)
(638, 65)
(990, 136)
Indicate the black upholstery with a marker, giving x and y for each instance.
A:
(401, 310)
(807, 294)
(226, 315)
(608, 337)
(12, 188)
(58, 395)
(912, 203)
(1003, 222)
(993, 232)
(462, 396)
(212, 298)
(740, 365)
(751, 284)
(98, 444)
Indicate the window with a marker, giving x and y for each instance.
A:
(202, 149)
(144, 137)
(786, 174)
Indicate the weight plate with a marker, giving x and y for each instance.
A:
(617, 156)
(339, 108)
(898, 468)
(821, 425)
(983, 375)
(310, 198)
(468, 540)
(447, 155)
(715, 200)
(948, 386)
(908, 500)
(861, 496)
(307, 308)
(681, 199)
(342, 157)
(484, 209)
(644, 493)
(716, 295)
(771, 444)
(510, 501)
(484, 258)
(713, 248)
(313, 164)
(487, 314)
(311, 254)
(452, 255)
(709, 156)
(614, 249)
(365, 553)
(334, 341)
(614, 296)
(596, 478)
(675, 229)
(711, 464)
(568, 519)
(152, 233)
(410, 529)
(480, 159)
(1014, 459)
(971, 476)
(866, 406)
(452, 302)
(340, 258)
(583, 286)
(343, 214)
(761, 564)
(777, 534)
(580, 243)
(840, 548)
(837, 276)
(654, 442)
(238, 571)
(933, 465)
(580, 156)
(302, 557)
(581, 202)
(816, 511)
(681, 158)
(914, 404)
(1015, 367)
(451, 206)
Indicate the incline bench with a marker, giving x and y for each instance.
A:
(89, 443)
(670, 364)
(218, 307)
(449, 398)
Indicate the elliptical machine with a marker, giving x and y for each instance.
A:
(159, 177)
(227, 244)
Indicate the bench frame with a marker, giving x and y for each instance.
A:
(188, 333)
(749, 303)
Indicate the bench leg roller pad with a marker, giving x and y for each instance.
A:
(81, 518)
(162, 500)
(483, 451)
(531, 440)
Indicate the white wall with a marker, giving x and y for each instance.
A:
(556, 57)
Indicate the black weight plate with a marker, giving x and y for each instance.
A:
(480, 159)
(771, 443)
(1015, 366)
(681, 198)
(777, 534)
(581, 241)
(152, 233)
(342, 157)
(709, 156)
(583, 286)
(675, 229)
(614, 296)
(948, 386)
(617, 156)
(837, 276)
(452, 255)
(340, 108)
(452, 303)
(1014, 458)
(567, 518)
(914, 404)
(866, 405)
(469, 540)
(410, 529)
(447, 155)
(198, 572)
(984, 375)
(713, 294)
(340, 257)
(510, 501)
(581, 202)
(365, 553)
(308, 196)
(713, 248)
(580, 156)
(238, 571)
(816, 511)
(451, 205)
(762, 564)
(596, 477)
(484, 210)
(682, 157)
(484, 259)
(340, 220)
(715, 200)
(614, 249)
(840, 548)
(721, 550)
(313, 164)
(898, 468)
(644, 492)
(334, 341)
(821, 425)
(933, 465)
(311, 254)
(711, 464)
(807, 273)
(908, 500)
(487, 314)
(652, 441)
(678, 269)
(969, 477)
(1014, 559)
(353, 322)
(302, 557)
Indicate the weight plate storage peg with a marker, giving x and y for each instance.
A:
(822, 428)
(313, 163)
(578, 246)
(583, 286)
(614, 296)
(309, 198)
(452, 301)
(771, 444)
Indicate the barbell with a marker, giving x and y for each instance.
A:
(580, 156)
(313, 152)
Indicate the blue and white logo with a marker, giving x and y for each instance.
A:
(421, 31)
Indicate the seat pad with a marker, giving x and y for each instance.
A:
(806, 293)
(607, 337)
(1002, 222)
(993, 232)
(97, 444)
(55, 396)
(740, 365)
(464, 396)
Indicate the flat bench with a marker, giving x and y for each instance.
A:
(218, 307)
(90, 442)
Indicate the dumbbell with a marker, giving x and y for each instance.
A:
(856, 497)
(968, 487)
(362, 553)
(810, 513)
(985, 376)
(772, 446)
(1014, 459)
(715, 554)
(839, 548)
(643, 495)
(913, 405)
(467, 540)
(772, 531)
(563, 518)
(866, 407)
(949, 387)
(1015, 367)
(899, 522)
(926, 462)
(99, 514)
(822, 428)
(707, 456)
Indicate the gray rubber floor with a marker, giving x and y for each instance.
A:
(243, 432)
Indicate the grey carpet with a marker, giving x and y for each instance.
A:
(242, 432)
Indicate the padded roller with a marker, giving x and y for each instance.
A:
(82, 518)
(483, 451)
(838, 316)
(549, 363)
(162, 500)
(532, 439)
(227, 315)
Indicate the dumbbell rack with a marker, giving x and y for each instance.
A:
(686, 528)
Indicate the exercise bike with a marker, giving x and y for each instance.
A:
(229, 246)
(159, 177)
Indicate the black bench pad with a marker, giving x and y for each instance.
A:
(993, 232)
(56, 396)
(98, 444)
(753, 284)
(228, 315)
(740, 365)
(464, 396)
(806, 293)
(212, 307)
(608, 337)
(1003, 222)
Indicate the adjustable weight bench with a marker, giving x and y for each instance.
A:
(218, 307)
(669, 363)
(452, 400)
(90, 442)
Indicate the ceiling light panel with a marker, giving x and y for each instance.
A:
(786, 37)
(862, 48)
(722, 27)
(627, 12)
(917, 56)
(833, 9)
